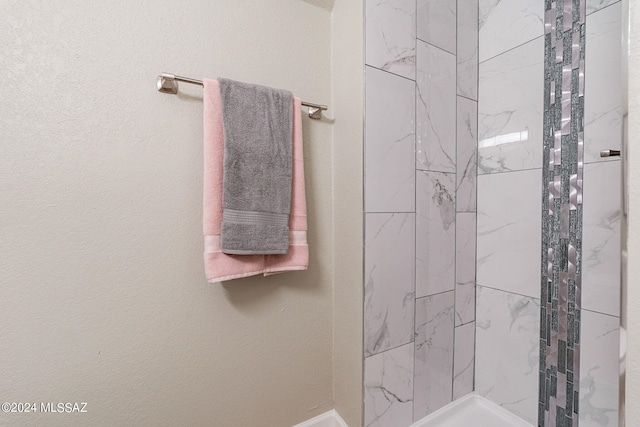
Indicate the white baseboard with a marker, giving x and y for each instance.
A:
(328, 419)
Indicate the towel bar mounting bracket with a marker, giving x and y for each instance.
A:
(167, 85)
(315, 112)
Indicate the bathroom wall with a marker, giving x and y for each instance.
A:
(511, 95)
(103, 296)
(347, 52)
(420, 206)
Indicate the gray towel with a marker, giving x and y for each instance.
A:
(257, 176)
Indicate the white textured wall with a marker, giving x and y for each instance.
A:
(102, 292)
(348, 74)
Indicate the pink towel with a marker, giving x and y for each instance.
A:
(219, 266)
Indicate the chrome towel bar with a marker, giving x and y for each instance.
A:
(168, 83)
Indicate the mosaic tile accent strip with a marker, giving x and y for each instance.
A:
(563, 167)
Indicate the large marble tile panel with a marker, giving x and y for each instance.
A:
(505, 24)
(601, 237)
(599, 370)
(596, 5)
(435, 233)
(463, 362)
(390, 42)
(507, 351)
(388, 388)
(602, 80)
(389, 281)
(467, 51)
(465, 267)
(510, 109)
(437, 23)
(434, 354)
(390, 143)
(436, 109)
(509, 238)
(467, 155)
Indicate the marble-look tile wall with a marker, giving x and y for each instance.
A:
(421, 131)
(600, 315)
(509, 192)
(599, 370)
(507, 350)
(510, 109)
(453, 175)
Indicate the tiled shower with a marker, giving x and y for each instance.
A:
(454, 187)
(420, 206)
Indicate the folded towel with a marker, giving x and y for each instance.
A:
(219, 266)
(298, 256)
(258, 162)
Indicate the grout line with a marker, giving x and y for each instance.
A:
(465, 324)
(363, 202)
(475, 256)
(509, 171)
(437, 47)
(467, 98)
(594, 162)
(509, 292)
(456, 225)
(390, 212)
(389, 72)
(433, 295)
(599, 312)
(389, 349)
(363, 230)
(602, 8)
(434, 171)
(415, 217)
(508, 50)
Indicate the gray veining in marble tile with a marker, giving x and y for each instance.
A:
(389, 281)
(596, 5)
(434, 354)
(467, 155)
(509, 238)
(390, 143)
(464, 356)
(510, 110)
(507, 351)
(467, 51)
(435, 233)
(465, 268)
(601, 238)
(390, 42)
(599, 370)
(436, 23)
(436, 109)
(505, 24)
(388, 388)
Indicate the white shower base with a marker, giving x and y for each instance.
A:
(472, 410)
